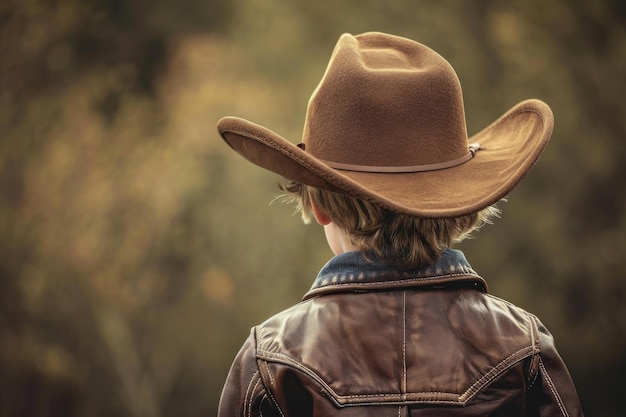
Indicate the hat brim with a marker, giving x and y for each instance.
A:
(509, 147)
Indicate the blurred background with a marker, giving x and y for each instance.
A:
(137, 250)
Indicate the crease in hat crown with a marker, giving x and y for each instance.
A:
(387, 124)
(385, 101)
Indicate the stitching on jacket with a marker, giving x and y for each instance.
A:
(258, 330)
(495, 371)
(533, 370)
(287, 360)
(252, 396)
(404, 385)
(275, 402)
(531, 328)
(534, 377)
(462, 398)
(269, 373)
(534, 333)
(261, 408)
(250, 393)
(272, 383)
(557, 397)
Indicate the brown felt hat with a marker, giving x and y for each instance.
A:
(387, 124)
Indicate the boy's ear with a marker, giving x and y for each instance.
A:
(320, 216)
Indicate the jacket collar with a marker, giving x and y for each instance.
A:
(351, 272)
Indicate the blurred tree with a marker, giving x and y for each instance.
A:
(49, 44)
(65, 338)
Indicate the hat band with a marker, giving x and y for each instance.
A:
(473, 148)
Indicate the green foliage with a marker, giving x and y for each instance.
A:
(137, 250)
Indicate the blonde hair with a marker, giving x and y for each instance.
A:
(398, 239)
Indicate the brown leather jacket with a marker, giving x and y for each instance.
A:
(371, 341)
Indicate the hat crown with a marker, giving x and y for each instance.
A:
(386, 101)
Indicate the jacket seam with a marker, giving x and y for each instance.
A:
(267, 391)
(265, 396)
(533, 370)
(497, 370)
(250, 393)
(269, 373)
(404, 376)
(462, 398)
(556, 395)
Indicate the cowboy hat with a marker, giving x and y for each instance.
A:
(387, 124)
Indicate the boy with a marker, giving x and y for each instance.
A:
(397, 323)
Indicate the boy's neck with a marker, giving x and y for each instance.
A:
(338, 240)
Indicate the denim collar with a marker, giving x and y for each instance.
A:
(350, 271)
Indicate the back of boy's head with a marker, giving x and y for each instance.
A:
(393, 238)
